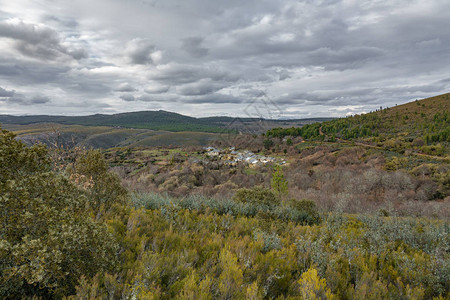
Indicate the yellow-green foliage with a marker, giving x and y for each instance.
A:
(176, 252)
(231, 277)
(278, 183)
(313, 287)
(104, 188)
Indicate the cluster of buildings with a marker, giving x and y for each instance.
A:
(232, 157)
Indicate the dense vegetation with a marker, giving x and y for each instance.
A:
(68, 229)
(178, 250)
(418, 124)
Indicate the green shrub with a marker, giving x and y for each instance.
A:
(307, 209)
(257, 196)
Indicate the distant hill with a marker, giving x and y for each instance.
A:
(107, 137)
(155, 120)
(423, 121)
(162, 120)
(145, 128)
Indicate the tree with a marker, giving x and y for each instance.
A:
(47, 238)
(268, 143)
(278, 183)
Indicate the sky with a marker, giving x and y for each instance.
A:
(274, 58)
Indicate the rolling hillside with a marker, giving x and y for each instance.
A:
(155, 120)
(163, 120)
(107, 136)
(424, 121)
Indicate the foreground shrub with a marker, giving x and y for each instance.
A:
(48, 239)
(313, 287)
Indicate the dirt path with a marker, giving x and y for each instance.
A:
(320, 130)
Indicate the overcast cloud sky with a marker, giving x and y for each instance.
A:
(207, 57)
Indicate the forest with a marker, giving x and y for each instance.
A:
(344, 218)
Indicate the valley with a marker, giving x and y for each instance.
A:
(351, 208)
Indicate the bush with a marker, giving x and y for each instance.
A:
(307, 209)
(104, 188)
(268, 143)
(257, 196)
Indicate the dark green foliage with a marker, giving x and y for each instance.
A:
(257, 196)
(17, 161)
(309, 214)
(268, 143)
(256, 202)
(47, 237)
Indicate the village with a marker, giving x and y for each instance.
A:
(230, 156)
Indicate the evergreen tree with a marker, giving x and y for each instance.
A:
(278, 183)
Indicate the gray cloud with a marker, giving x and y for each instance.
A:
(202, 87)
(63, 21)
(139, 51)
(214, 98)
(20, 99)
(156, 89)
(25, 72)
(345, 58)
(161, 98)
(125, 87)
(39, 100)
(311, 57)
(193, 46)
(6, 93)
(179, 74)
(39, 42)
(127, 97)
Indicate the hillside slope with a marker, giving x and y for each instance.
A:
(424, 121)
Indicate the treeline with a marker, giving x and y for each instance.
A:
(439, 129)
(345, 128)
